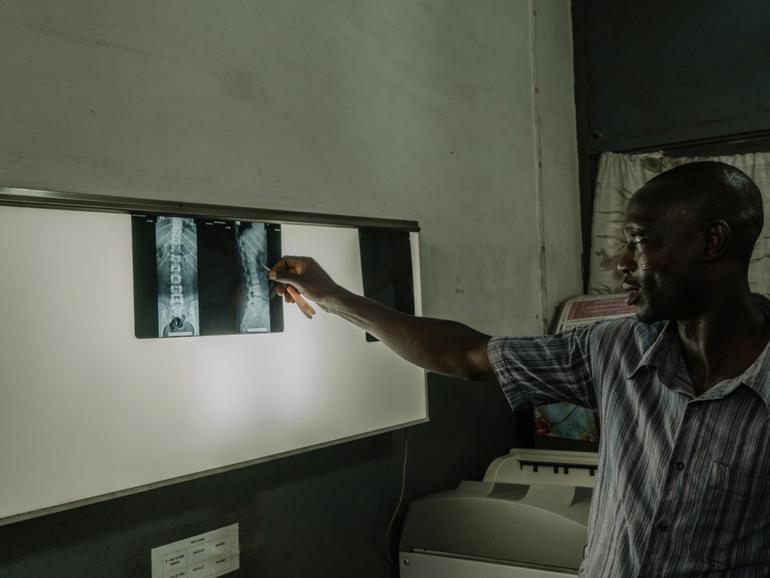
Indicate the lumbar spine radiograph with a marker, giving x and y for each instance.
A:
(180, 315)
(252, 242)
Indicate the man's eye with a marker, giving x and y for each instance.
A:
(635, 241)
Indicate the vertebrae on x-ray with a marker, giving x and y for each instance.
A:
(177, 268)
(252, 243)
(176, 290)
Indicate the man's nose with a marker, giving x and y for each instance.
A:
(626, 261)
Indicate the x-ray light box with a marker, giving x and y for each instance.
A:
(89, 411)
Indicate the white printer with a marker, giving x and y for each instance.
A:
(526, 519)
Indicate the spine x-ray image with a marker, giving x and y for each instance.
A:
(176, 256)
(203, 276)
(254, 309)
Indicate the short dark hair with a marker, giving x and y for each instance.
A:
(718, 191)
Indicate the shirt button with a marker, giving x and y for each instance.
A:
(662, 526)
(679, 466)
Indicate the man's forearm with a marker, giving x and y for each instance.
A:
(442, 346)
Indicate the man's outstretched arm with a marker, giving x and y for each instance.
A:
(437, 345)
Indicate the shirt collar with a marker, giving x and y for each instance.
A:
(663, 354)
(757, 375)
(665, 351)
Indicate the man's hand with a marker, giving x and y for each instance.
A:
(295, 276)
(437, 345)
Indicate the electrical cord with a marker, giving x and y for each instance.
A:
(383, 540)
(389, 530)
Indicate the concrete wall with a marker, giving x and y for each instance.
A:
(407, 109)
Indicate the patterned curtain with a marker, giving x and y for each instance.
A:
(621, 175)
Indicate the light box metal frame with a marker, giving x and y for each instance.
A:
(45, 199)
(114, 204)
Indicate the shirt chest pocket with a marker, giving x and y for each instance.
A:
(733, 522)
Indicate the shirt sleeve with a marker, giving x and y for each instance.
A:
(541, 370)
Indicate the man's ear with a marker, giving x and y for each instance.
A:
(718, 237)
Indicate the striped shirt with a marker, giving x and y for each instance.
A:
(683, 482)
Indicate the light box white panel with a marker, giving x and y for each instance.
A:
(87, 409)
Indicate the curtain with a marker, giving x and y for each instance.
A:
(620, 175)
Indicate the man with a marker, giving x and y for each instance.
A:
(682, 392)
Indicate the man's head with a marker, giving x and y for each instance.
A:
(689, 234)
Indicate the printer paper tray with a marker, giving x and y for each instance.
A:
(423, 565)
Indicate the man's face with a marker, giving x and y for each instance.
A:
(661, 258)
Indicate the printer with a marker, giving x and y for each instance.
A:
(526, 519)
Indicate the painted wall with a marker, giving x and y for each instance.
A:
(423, 110)
(456, 114)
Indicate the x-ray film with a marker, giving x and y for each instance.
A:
(254, 307)
(176, 254)
(203, 276)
